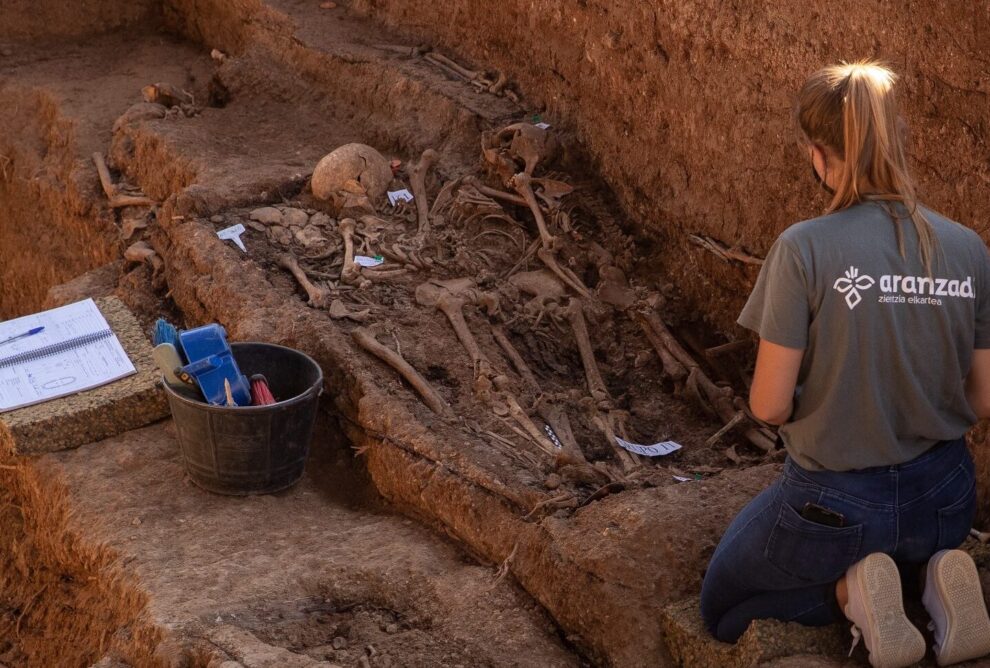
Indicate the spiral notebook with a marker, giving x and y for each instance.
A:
(76, 351)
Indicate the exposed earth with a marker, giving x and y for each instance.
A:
(590, 204)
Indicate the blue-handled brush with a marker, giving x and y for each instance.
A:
(165, 332)
(168, 353)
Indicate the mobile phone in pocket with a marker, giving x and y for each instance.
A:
(822, 515)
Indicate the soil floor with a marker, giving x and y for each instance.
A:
(323, 570)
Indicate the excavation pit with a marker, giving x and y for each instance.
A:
(559, 332)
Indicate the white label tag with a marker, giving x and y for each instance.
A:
(396, 196)
(365, 261)
(233, 234)
(680, 478)
(543, 126)
(655, 450)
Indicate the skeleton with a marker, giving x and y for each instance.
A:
(318, 297)
(168, 96)
(417, 181)
(608, 423)
(721, 399)
(501, 80)
(366, 339)
(492, 192)
(350, 273)
(477, 79)
(339, 311)
(349, 171)
(116, 200)
(449, 297)
(551, 413)
(546, 291)
(523, 141)
(596, 385)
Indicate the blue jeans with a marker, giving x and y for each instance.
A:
(772, 563)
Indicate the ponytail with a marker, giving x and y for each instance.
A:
(851, 109)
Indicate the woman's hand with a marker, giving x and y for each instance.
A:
(771, 398)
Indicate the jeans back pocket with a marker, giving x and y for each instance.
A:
(811, 552)
(956, 519)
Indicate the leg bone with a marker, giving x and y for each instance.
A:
(522, 183)
(431, 398)
(575, 314)
(720, 398)
(604, 423)
(566, 275)
(318, 297)
(417, 181)
(349, 272)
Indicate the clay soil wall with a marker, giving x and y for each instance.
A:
(33, 19)
(685, 105)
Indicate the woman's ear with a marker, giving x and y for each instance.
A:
(818, 159)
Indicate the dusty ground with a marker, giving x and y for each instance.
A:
(575, 527)
(322, 570)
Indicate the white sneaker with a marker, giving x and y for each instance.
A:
(954, 599)
(876, 609)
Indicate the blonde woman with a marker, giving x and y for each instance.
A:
(874, 357)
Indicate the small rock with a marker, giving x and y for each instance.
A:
(280, 235)
(216, 219)
(643, 357)
(310, 237)
(142, 111)
(132, 224)
(321, 219)
(552, 481)
(136, 521)
(391, 628)
(327, 5)
(294, 217)
(339, 642)
(267, 215)
(139, 252)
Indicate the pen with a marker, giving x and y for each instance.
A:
(30, 332)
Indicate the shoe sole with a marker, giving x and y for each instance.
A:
(893, 641)
(960, 594)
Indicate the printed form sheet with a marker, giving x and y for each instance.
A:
(57, 364)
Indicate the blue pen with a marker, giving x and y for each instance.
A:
(30, 332)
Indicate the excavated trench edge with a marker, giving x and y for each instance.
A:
(412, 465)
(68, 602)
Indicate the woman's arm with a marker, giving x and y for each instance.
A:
(771, 398)
(978, 383)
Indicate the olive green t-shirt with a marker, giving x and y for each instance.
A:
(886, 346)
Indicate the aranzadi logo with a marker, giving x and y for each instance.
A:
(897, 289)
(851, 284)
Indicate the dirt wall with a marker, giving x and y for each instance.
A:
(50, 229)
(53, 585)
(685, 106)
(29, 19)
